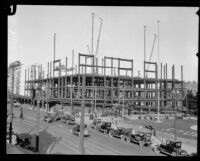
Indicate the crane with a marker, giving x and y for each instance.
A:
(155, 36)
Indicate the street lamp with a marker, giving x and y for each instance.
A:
(12, 67)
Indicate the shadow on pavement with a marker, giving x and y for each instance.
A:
(47, 141)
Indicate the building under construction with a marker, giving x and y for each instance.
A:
(105, 84)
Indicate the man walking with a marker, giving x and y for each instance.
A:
(21, 113)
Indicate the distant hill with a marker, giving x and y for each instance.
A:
(193, 86)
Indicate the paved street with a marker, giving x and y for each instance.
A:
(55, 138)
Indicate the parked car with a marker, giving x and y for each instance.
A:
(95, 123)
(104, 127)
(17, 104)
(172, 148)
(22, 140)
(120, 132)
(76, 130)
(139, 137)
(68, 119)
(50, 117)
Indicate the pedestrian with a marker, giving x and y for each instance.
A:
(21, 113)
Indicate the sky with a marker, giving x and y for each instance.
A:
(31, 34)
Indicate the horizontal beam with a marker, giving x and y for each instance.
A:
(118, 59)
(55, 61)
(86, 55)
(125, 68)
(149, 62)
(150, 71)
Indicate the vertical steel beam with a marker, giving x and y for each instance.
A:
(66, 66)
(132, 83)
(118, 80)
(96, 65)
(182, 87)
(161, 89)
(104, 80)
(25, 84)
(79, 57)
(93, 80)
(28, 83)
(112, 80)
(102, 66)
(73, 62)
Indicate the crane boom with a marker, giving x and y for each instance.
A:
(98, 37)
(152, 49)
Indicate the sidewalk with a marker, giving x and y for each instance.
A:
(12, 149)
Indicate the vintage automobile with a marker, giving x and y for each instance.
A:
(76, 130)
(141, 137)
(120, 132)
(172, 148)
(50, 117)
(104, 127)
(22, 140)
(68, 119)
(17, 104)
(95, 122)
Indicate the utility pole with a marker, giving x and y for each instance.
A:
(123, 106)
(95, 98)
(92, 32)
(38, 125)
(82, 124)
(174, 106)
(11, 109)
(38, 111)
(158, 77)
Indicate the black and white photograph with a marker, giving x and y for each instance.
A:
(102, 80)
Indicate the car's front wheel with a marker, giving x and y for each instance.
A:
(156, 149)
(174, 154)
(97, 128)
(105, 131)
(110, 134)
(122, 137)
(128, 139)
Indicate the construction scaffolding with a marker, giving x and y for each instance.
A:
(107, 84)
